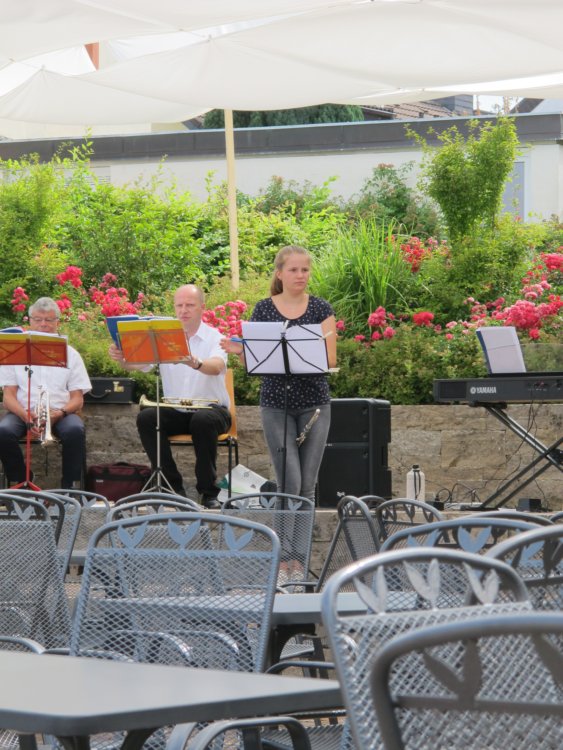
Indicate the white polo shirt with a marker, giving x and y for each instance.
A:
(181, 381)
(59, 381)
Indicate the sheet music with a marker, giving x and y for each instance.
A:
(502, 350)
(306, 349)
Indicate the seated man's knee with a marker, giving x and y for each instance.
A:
(203, 423)
(146, 419)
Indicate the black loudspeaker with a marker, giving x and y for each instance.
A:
(355, 457)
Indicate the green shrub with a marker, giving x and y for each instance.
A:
(362, 269)
(466, 176)
(385, 197)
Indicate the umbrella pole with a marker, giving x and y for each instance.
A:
(232, 197)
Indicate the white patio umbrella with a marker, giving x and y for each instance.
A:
(171, 59)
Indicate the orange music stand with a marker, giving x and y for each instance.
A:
(27, 349)
(154, 342)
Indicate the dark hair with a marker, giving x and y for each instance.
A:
(276, 286)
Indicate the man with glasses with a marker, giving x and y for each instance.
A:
(66, 387)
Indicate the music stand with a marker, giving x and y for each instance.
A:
(32, 348)
(276, 349)
(154, 342)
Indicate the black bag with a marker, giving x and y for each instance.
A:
(117, 480)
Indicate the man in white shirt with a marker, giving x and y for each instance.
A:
(200, 376)
(66, 387)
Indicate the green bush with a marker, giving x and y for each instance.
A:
(486, 267)
(362, 269)
(385, 197)
(466, 176)
(146, 241)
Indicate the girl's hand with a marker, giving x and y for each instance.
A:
(231, 347)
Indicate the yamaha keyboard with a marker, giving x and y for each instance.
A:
(523, 388)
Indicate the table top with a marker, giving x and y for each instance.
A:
(291, 609)
(68, 696)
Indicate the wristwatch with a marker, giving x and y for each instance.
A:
(199, 364)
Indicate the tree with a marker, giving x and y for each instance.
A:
(301, 116)
(466, 176)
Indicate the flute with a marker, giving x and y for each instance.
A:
(301, 439)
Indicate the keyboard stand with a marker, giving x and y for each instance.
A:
(551, 455)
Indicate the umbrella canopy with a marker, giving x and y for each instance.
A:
(171, 59)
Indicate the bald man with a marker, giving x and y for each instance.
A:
(201, 376)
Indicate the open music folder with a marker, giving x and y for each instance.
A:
(153, 341)
(33, 348)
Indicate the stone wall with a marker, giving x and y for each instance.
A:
(462, 450)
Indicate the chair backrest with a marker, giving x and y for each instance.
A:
(402, 591)
(32, 596)
(292, 518)
(204, 598)
(518, 515)
(58, 517)
(65, 513)
(556, 517)
(95, 508)
(537, 556)
(150, 506)
(354, 538)
(486, 683)
(470, 533)
(154, 495)
(402, 513)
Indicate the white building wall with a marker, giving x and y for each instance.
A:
(541, 168)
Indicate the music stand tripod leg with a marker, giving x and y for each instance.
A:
(157, 481)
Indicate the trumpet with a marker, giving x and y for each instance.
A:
(43, 417)
(178, 403)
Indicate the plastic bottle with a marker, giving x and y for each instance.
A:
(416, 487)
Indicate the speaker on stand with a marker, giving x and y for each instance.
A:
(355, 457)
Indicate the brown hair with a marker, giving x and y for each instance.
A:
(276, 286)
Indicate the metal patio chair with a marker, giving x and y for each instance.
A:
(402, 513)
(292, 518)
(203, 598)
(65, 512)
(33, 602)
(491, 682)
(470, 533)
(537, 556)
(402, 591)
(151, 505)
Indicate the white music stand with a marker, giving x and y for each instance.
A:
(276, 349)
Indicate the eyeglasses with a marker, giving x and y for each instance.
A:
(44, 320)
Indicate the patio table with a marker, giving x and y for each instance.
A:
(74, 698)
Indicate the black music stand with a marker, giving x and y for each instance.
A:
(27, 349)
(154, 342)
(276, 349)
